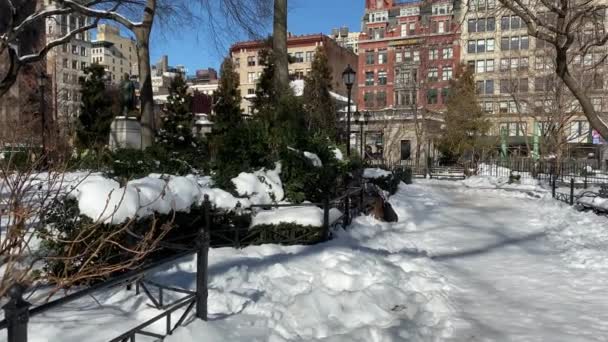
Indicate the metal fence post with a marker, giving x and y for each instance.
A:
(325, 236)
(202, 263)
(346, 211)
(553, 184)
(361, 194)
(17, 314)
(571, 191)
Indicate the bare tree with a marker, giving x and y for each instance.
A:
(138, 16)
(21, 18)
(571, 27)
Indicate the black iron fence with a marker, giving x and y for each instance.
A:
(18, 311)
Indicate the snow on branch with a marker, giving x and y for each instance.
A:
(101, 14)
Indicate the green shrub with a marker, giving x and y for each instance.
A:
(63, 224)
(388, 183)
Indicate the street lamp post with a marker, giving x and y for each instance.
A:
(42, 79)
(348, 76)
(362, 120)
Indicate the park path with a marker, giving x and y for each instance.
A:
(510, 263)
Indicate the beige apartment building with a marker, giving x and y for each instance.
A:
(122, 46)
(116, 64)
(516, 82)
(246, 57)
(65, 65)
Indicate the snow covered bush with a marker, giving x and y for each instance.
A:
(385, 180)
(304, 179)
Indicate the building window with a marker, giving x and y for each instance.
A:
(251, 61)
(381, 99)
(505, 86)
(406, 149)
(250, 91)
(433, 54)
(65, 63)
(514, 129)
(299, 57)
(83, 51)
(480, 45)
(75, 65)
(432, 96)
(237, 63)
(433, 75)
(489, 65)
(448, 53)
(83, 65)
(251, 77)
(368, 99)
(488, 107)
(382, 78)
(514, 43)
(378, 17)
(309, 56)
(597, 104)
(74, 49)
(482, 25)
(511, 23)
(370, 58)
(409, 11)
(369, 78)
(480, 66)
(579, 131)
(447, 73)
(382, 57)
(398, 56)
(485, 87)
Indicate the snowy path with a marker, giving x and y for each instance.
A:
(522, 269)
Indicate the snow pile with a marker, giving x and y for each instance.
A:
(597, 202)
(316, 161)
(304, 216)
(349, 289)
(262, 186)
(376, 173)
(493, 170)
(104, 200)
(338, 154)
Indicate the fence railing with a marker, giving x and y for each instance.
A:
(18, 311)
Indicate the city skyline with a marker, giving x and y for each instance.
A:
(194, 49)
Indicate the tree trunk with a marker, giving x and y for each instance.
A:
(281, 73)
(146, 94)
(592, 115)
(12, 70)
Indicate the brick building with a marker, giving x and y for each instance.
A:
(408, 52)
(301, 50)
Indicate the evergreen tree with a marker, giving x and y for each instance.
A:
(319, 106)
(95, 120)
(228, 99)
(176, 133)
(465, 122)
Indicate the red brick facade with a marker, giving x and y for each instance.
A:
(408, 51)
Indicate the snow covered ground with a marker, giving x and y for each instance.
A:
(462, 264)
(522, 268)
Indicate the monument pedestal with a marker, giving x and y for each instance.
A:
(125, 133)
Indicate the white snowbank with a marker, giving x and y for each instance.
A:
(316, 161)
(597, 202)
(376, 173)
(103, 199)
(305, 216)
(262, 186)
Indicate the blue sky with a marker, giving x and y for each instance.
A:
(194, 50)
